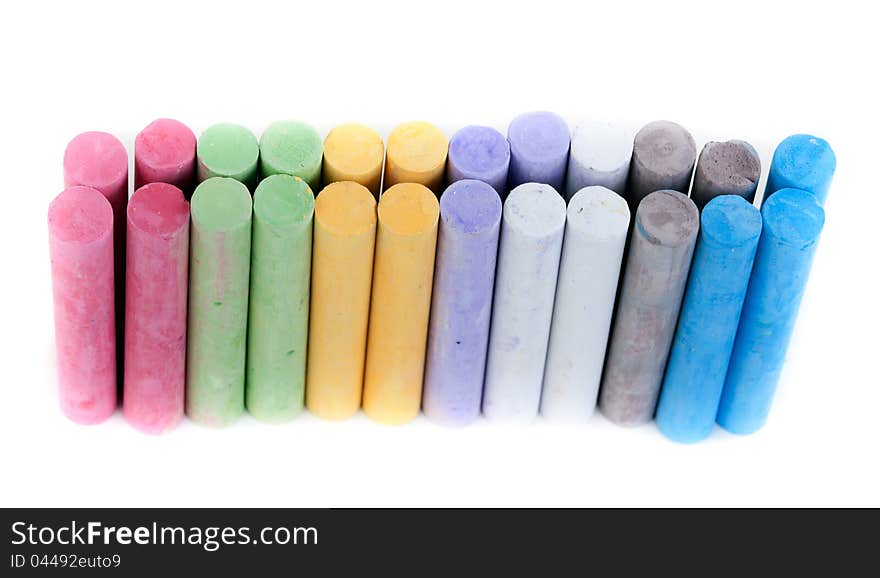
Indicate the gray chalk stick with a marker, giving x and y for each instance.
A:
(726, 168)
(660, 252)
(663, 158)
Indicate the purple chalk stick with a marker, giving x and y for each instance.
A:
(464, 280)
(539, 143)
(481, 153)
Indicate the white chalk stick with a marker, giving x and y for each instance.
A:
(600, 156)
(595, 235)
(532, 226)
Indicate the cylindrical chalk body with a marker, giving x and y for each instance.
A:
(481, 153)
(278, 302)
(663, 158)
(726, 168)
(600, 156)
(802, 161)
(354, 152)
(220, 256)
(532, 226)
(157, 266)
(99, 160)
(793, 221)
(539, 143)
(165, 152)
(416, 154)
(342, 273)
(402, 277)
(291, 147)
(719, 277)
(592, 250)
(81, 254)
(228, 150)
(661, 247)
(464, 276)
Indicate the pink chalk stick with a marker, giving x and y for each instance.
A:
(81, 253)
(156, 271)
(165, 152)
(98, 160)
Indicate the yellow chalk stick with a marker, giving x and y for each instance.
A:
(342, 270)
(402, 278)
(416, 154)
(354, 152)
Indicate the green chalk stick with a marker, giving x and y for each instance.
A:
(228, 150)
(293, 148)
(278, 322)
(219, 273)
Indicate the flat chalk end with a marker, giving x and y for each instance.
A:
(96, 159)
(667, 218)
(80, 215)
(159, 209)
(408, 209)
(283, 201)
(599, 213)
(730, 221)
(221, 204)
(535, 209)
(346, 208)
(539, 135)
(793, 217)
(470, 206)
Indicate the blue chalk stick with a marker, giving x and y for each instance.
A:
(481, 153)
(730, 228)
(803, 162)
(793, 221)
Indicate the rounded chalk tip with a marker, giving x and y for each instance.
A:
(283, 201)
(664, 147)
(408, 209)
(726, 168)
(221, 204)
(793, 217)
(353, 149)
(479, 150)
(667, 218)
(730, 221)
(158, 209)
(470, 206)
(539, 135)
(535, 210)
(598, 212)
(80, 215)
(346, 208)
(228, 150)
(601, 146)
(290, 146)
(804, 159)
(165, 143)
(417, 146)
(96, 159)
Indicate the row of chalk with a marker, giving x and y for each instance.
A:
(258, 294)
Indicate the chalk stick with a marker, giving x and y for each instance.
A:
(461, 307)
(532, 225)
(342, 274)
(165, 152)
(600, 156)
(278, 301)
(220, 256)
(726, 168)
(661, 247)
(481, 153)
(663, 158)
(99, 160)
(722, 264)
(354, 152)
(595, 234)
(416, 154)
(539, 143)
(291, 147)
(406, 240)
(228, 150)
(793, 221)
(802, 161)
(81, 255)
(157, 268)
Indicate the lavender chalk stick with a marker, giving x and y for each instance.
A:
(600, 156)
(659, 259)
(532, 225)
(481, 153)
(595, 234)
(663, 158)
(726, 168)
(539, 143)
(464, 276)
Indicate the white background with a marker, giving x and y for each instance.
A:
(752, 70)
